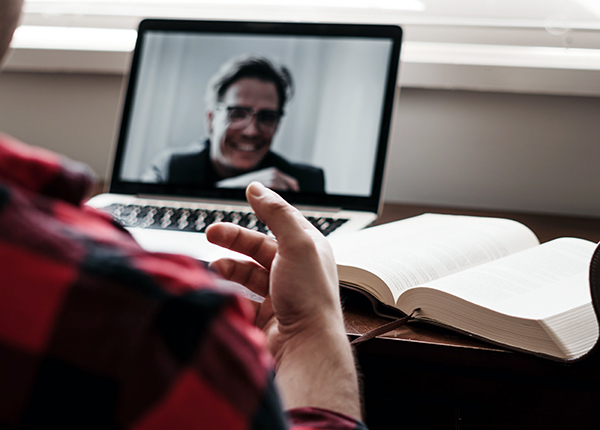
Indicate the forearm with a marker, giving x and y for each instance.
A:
(319, 371)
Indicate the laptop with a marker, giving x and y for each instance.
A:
(318, 131)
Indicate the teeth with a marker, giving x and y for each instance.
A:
(246, 147)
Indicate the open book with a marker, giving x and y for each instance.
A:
(488, 277)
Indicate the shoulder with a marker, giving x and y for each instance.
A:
(151, 333)
(193, 151)
(171, 161)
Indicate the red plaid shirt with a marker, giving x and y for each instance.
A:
(97, 333)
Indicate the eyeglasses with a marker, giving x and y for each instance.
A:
(240, 117)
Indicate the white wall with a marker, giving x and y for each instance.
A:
(475, 149)
(493, 150)
(72, 114)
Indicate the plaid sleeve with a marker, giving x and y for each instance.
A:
(317, 419)
(97, 333)
(44, 172)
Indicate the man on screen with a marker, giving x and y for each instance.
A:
(246, 101)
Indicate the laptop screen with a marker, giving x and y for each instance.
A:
(303, 108)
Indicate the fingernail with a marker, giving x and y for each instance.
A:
(256, 189)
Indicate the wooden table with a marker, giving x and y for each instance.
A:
(420, 376)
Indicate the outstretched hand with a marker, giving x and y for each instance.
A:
(301, 314)
(296, 274)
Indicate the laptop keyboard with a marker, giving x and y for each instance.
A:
(197, 220)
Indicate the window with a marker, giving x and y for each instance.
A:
(504, 45)
(556, 16)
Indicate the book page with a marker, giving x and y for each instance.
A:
(422, 249)
(537, 300)
(529, 284)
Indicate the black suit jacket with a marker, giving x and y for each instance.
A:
(194, 167)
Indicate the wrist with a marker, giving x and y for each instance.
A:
(317, 370)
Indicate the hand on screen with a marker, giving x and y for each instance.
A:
(270, 177)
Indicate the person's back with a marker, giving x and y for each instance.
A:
(95, 332)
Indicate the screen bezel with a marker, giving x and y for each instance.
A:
(348, 202)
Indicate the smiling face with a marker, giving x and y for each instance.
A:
(234, 151)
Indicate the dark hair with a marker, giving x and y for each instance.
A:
(249, 67)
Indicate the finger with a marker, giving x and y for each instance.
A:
(255, 245)
(285, 182)
(247, 273)
(294, 185)
(285, 221)
(290, 183)
(264, 315)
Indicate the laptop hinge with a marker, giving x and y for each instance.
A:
(227, 202)
(191, 200)
(317, 209)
